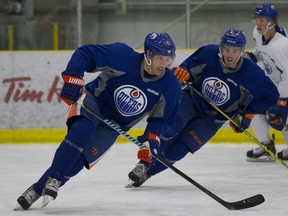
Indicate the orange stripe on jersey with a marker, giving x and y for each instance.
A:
(249, 116)
(96, 161)
(73, 110)
(281, 102)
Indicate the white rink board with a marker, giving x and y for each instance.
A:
(30, 82)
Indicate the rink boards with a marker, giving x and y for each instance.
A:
(31, 110)
(224, 135)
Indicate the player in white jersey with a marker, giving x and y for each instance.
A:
(272, 53)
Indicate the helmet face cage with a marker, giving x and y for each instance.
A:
(234, 37)
(266, 10)
(161, 44)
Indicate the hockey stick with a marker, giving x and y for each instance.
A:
(235, 123)
(242, 204)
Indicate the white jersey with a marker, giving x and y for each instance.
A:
(274, 57)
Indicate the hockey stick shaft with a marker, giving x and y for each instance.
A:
(242, 204)
(236, 124)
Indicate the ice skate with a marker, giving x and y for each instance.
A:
(260, 155)
(50, 191)
(283, 155)
(138, 175)
(26, 199)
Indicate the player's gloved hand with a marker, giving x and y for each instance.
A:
(72, 89)
(277, 113)
(154, 145)
(144, 154)
(181, 74)
(243, 121)
(241, 117)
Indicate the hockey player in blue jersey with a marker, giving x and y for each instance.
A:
(235, 84)
(272, 52)
(130, 86)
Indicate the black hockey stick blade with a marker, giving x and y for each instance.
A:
(246, 203)
(238, 205)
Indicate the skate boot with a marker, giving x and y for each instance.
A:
(259, 154)
(27, 199)
(138, 175)
(50, 190)
(283, 155)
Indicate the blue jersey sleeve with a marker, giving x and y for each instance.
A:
(262, 88)
(193, 61)
(88, 57)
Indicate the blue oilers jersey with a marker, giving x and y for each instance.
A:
(226, 88)
(124, 94)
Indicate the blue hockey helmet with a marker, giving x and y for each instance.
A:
(234, 37)
(266, 10)
(160, 43)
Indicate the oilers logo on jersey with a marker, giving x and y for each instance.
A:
(268, 62)
(129, 100)
(216, 90)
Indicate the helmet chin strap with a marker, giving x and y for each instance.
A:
(237, 60)
(149, 63)
(268, 28)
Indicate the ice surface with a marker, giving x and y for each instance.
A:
(221, 168)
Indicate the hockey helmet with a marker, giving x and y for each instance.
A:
(234, 37)
(160, 43)
(266, 10)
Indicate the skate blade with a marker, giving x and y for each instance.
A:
(46, 200)
(261, 159)
(130, 184)
(18, 207)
